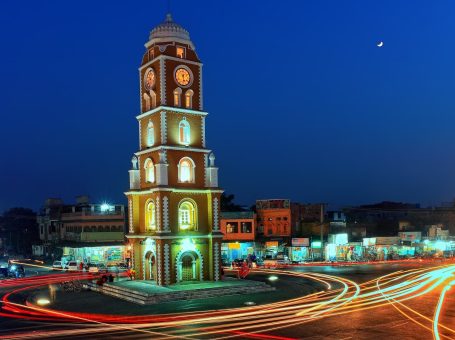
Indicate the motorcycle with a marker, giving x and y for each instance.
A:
(16, 271)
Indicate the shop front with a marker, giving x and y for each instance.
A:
(271, 249)
(300, 250)
(108, 254)
(338, 248)
(299, 254)
(231, 251)
(347, 252)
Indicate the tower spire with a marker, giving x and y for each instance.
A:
(169, 7)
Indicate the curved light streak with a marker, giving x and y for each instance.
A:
(341, 296)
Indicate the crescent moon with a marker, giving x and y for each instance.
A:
(380, 44)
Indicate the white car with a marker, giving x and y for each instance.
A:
(95, 268)
(72, 266)
(57, 265)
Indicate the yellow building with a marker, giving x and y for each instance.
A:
(174, 199)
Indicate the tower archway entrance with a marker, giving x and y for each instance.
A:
(187, 267)
(150, 266)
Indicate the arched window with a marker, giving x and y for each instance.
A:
(149, 171)
(146, 102)
(177, 96)
(149, 100)
(186, 170)
(187, 215)
(152, 99)
(150, 134)
(150, 216)
(189, 99)
(184, 132)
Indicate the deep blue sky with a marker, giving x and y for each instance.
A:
(302, 103)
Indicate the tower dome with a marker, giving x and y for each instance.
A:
(169, 30)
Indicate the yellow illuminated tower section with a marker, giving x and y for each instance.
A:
(174, 198)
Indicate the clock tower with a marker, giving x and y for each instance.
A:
(174, 198)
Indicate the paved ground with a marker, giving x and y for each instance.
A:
(98, 303)
(377, 323)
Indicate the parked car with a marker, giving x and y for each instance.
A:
(4, 263)
(122, 265)
(282, 259)
(72, 266)
(95, 268)
(57, 265)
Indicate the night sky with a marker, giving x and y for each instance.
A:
(303, 104)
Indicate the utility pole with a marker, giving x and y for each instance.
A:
(321, 223)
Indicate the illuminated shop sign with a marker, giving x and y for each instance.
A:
(234, 245)
(316, 244)
(300, 242)
(368, 242)
(413, 236)
(271, 244)
(338, 239)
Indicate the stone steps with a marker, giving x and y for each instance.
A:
(143, 298)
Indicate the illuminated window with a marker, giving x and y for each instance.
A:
(149, 171)
(186, 170)
(189, 99)
(187, 216)
(180, 52)
(152, 99)
(184, 132)
(247, 227)
(177, 96)
(232, 228)
(149, 100)
(150, 216)
(150, 134)
(146, 102)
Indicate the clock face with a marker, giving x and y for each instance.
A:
(182, 76)
(149, 79)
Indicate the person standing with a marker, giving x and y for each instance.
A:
(117, 272)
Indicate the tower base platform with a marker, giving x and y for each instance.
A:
(148, 293)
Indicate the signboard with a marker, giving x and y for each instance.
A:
(338, 239)
(300, 242)
(413, 236)
(316, 244)
(234, 245)
(368, 242)
(271, 244)
(273, 204)
(387, 241)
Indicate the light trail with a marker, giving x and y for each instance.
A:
(438, 310)
(253, 321)
(440, 276)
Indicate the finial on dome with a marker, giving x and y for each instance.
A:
(169, 31)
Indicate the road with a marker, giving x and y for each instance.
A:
(327, 302)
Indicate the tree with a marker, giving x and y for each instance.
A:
(227, 203)
(20, 230)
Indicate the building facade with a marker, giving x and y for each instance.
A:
(239, 231)
(174, 198)
(83, 232)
